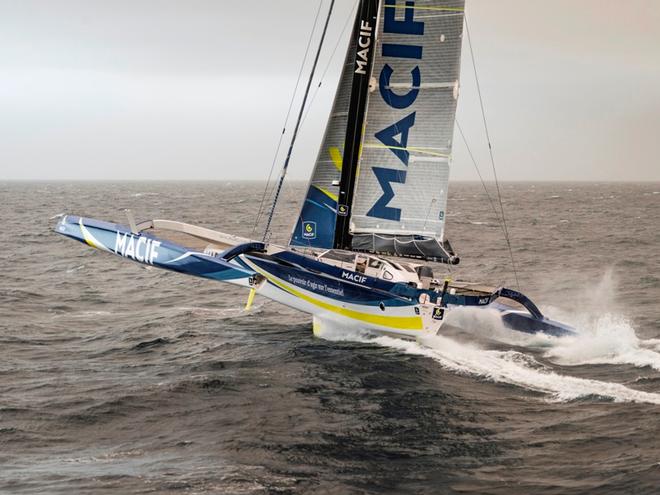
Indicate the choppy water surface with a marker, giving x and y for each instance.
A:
(117, 379)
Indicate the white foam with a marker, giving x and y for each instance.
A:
(486, 324)
(140, 194)
(605, 335)
(651, 344)
(510, 367)
(517, 369)
(606, 339)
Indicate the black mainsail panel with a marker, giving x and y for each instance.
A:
(365, 54)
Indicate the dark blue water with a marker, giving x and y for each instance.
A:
(119, 379)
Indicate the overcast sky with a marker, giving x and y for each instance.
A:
(164, 89)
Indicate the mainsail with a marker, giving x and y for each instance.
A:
(401, 198)
(386, 190)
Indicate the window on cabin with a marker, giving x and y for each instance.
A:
(374, 263)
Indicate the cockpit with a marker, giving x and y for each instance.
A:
(416, 275)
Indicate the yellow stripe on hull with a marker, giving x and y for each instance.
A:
(395, 322)
(90, 239)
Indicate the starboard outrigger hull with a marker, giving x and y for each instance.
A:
(336, 295)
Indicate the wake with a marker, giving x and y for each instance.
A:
(606, 338)
(516, 368)
(510, 367)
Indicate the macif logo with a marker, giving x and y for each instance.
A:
(309, 230)
(438, 313)
(364, 42)
(399, 55)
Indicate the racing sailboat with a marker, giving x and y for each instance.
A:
(373, 216)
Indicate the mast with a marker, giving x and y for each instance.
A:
(366, 35)
(299, 120)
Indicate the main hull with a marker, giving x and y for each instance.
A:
(334, 296)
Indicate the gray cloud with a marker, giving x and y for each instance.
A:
(199, 90)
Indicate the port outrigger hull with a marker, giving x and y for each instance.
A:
(334, 294)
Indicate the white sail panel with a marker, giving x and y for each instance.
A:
(404, 166)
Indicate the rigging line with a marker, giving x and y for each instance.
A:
(492, 157)
(295, 131)
(351, 16)
(286, 120)
(483, 183)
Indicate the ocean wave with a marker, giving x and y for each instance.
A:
(140, 194)
(218, 313)
(150, 344)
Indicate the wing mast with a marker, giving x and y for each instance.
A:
(366, 29)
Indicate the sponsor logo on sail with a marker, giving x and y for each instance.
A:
(395, 136)
(364, 47)
(309, 230)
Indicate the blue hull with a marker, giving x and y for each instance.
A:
(149, 250)
(309, 285)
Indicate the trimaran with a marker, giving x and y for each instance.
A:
(374, 213)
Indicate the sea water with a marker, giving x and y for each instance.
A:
(116, 378)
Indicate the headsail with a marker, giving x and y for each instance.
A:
(401, 196)
(315, 226)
